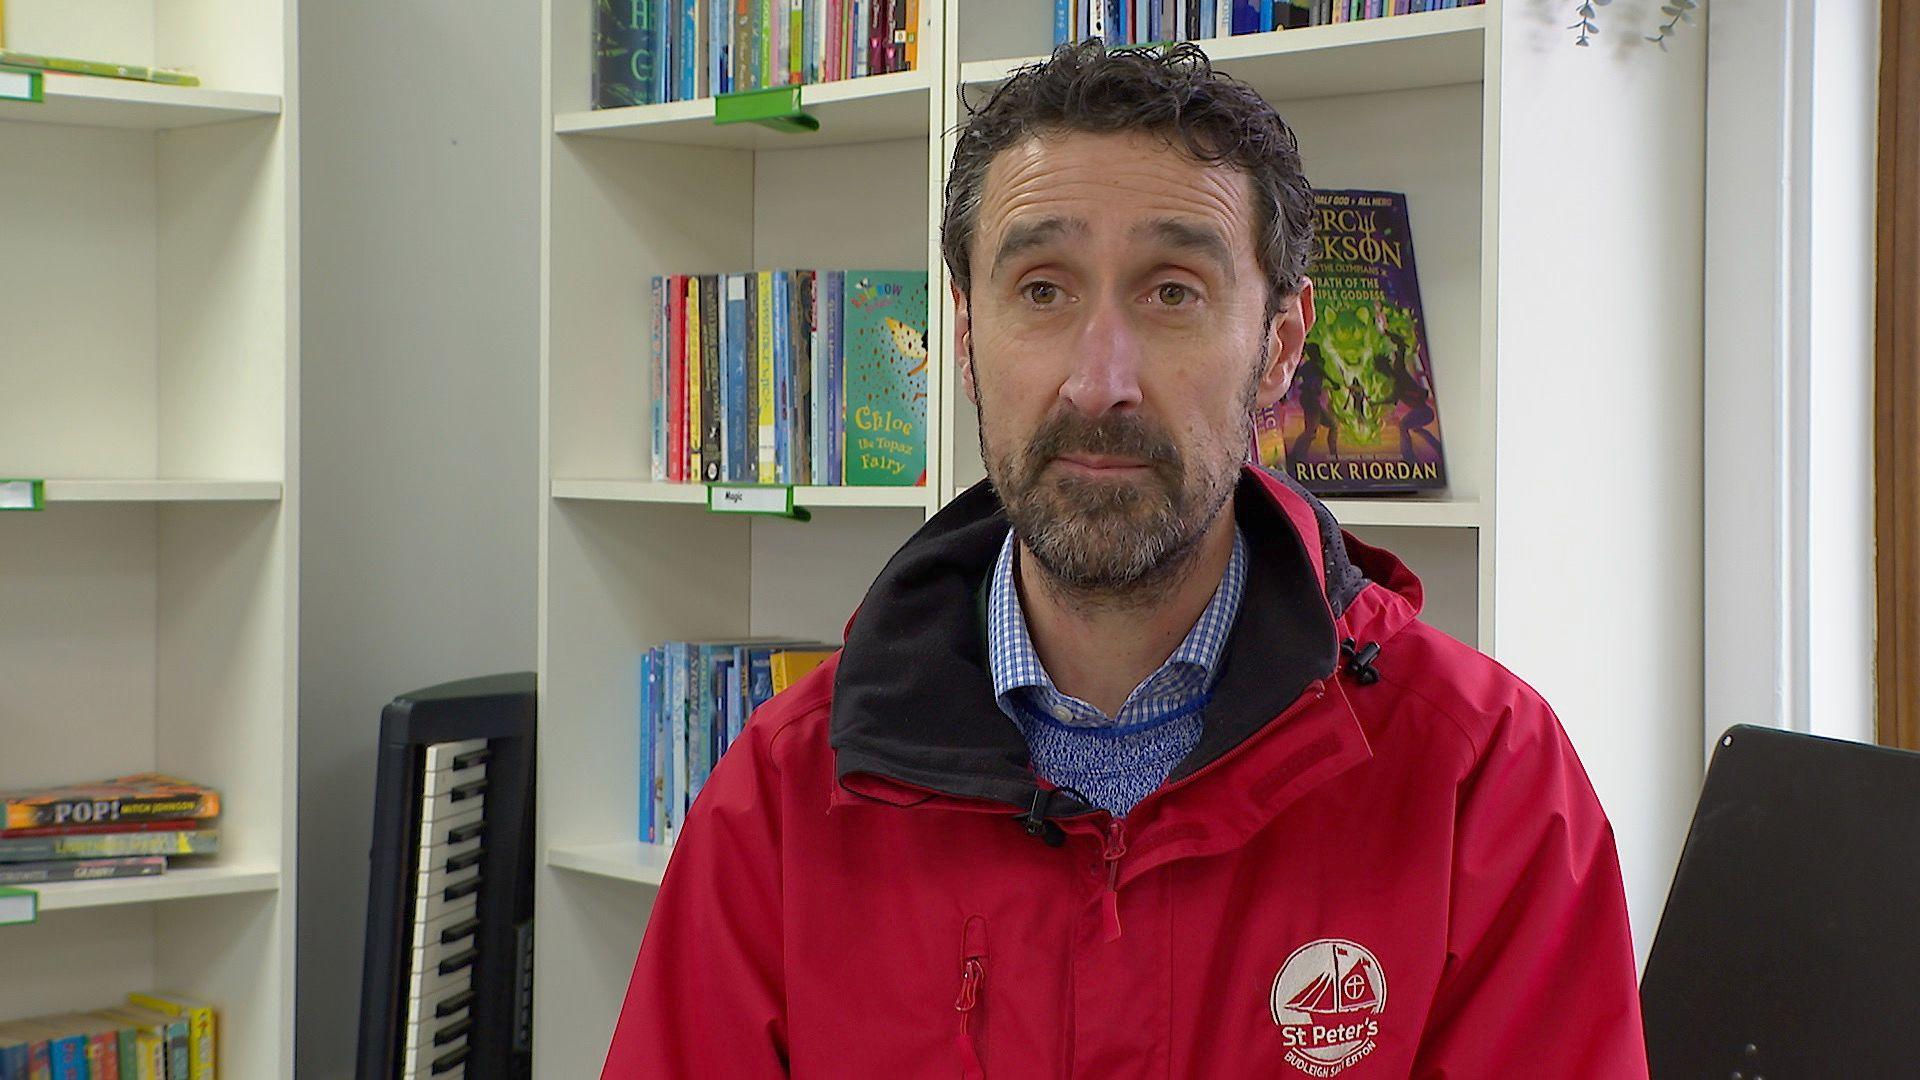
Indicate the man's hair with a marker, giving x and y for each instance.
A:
(1172, 92)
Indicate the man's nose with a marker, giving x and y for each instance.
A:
(1106, 366)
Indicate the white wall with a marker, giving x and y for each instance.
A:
(1789, 358)
(419, 390)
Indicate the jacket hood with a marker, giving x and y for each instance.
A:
(913, 695)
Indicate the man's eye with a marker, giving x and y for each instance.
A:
(1042, 292)
(1174, 294)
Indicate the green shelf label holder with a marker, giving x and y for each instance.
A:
(22, 494)
(33, 906)
(776, 107)
(764, 500)
(36, 91)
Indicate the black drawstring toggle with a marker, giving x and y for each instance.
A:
(1036, 823)
(1359, 661)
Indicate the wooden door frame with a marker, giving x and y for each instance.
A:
(1897, 378)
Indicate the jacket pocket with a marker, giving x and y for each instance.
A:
(973, 976)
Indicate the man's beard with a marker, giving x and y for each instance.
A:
(1113, 540)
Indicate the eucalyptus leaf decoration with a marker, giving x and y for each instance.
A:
(1677, 11)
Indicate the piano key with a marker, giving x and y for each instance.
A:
(455, 1030)
(472, 758)
(448, 779)
(441, 755)
(459, 931)
(430, 908)
(459, 961)
(453, 828)
(453, 1004)
(444, 1064)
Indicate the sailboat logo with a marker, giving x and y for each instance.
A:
(1326, 1000)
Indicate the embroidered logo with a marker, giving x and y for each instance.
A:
(1326, 1001)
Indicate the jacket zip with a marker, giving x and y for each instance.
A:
(973, 971)
(1116, 846)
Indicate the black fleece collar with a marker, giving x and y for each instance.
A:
(913, 698)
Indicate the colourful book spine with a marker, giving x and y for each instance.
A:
(657, 377)
(836, 381)
(200, 1027)
(710, 367)
(789, 666)
(763, 42)
(796, 43)
(803, 399)
(742, 58)
(817, 355)
(110, 845)
(662, 819)
(739, 438)
(750, 376)
(913, 35)
(696, 357)
(676, 707)
(699, 719)
(720, 416)
(67, 1057)
(783, 374)
(769, 464)
(719, 43)
(622, 54)
(693, 48)
(128, 1051)
(886, 377)
(676, 375)
(649, 690)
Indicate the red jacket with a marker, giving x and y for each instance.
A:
(1383, 860)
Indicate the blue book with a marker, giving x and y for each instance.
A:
(662, 51)
(737, 694)
(622, 57)
(68, 1055)
(1266, 15)
(782, 380)
(836, 377)
(1246, 16)
(657, 721)
(13, 1057)
(722, 704)
(1206, 17)
(760, 675)
(720, 44)
(1061, 9)
(1156, 31)
(741, 441)
(699, 720)
(649, 690)
(674, 704)
(690, 57)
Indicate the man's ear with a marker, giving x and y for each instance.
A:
(963, 340)
(1286, 337)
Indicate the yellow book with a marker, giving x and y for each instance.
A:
(695, 425)
(200, 1035)
(792, 666)
(763, 353)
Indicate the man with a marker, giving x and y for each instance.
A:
(1134, 764)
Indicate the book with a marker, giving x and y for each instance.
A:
(649, 699)
(121, 799)
(676, 285)
(622, 70)
(696, 356)
(789, 666)
(885, 378)
(163, 1039)
(37, 873)
(800, 331)
(782, 376)
(16, 1042)
(100, 69)
(769, 465)
(110, 845)
(200, 1027)
(1361, 414)
(739, 387)
(710, 416)
(657, 375)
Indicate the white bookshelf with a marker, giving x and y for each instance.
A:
(1554, 408)
(149, 296)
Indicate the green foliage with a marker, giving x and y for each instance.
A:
(1586, 20)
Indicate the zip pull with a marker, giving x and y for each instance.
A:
(972, 973)
(1116, 846)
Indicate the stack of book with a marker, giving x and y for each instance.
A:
(695, 698)
(646, 52)
(154, 1036)
(65, 65)
(1138, 22)
(127, 826)
(790, 377)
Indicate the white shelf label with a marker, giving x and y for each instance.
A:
(19, 86)
(20, 495)
(749, 499)
(19, 906)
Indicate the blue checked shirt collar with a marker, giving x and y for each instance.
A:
(1174, 689)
